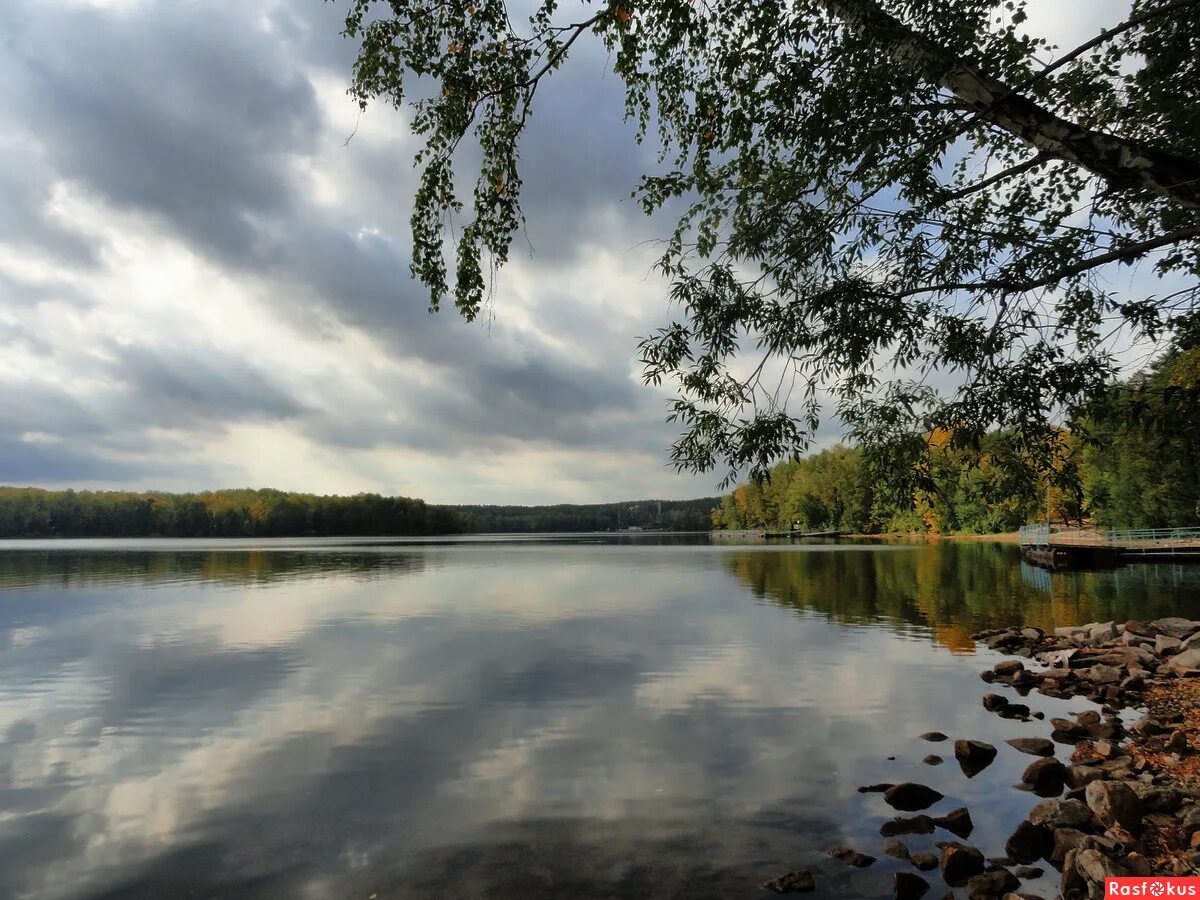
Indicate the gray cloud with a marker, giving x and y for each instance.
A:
(202, 128)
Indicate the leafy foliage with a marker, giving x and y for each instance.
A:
(899, 207)
(1134, 462)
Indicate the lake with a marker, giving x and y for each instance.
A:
(578, 717)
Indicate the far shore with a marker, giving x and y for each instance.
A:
(1006, 537)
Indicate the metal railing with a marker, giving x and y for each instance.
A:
(1043, 535)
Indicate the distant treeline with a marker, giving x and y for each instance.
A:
(1133, 462)
(670, 515)
(32, 512)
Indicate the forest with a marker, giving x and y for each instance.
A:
(1132, 462)
(32, 512)
(667, 515)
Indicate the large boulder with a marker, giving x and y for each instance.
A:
(1061, 814)
(1186, 661)
(957, 822)
(973, 756)
(1045, 777)
(1029, 843)
(1174, 626)
(960, 862)
(1115, 804)
(991, 885)
(910, 796)
(908, 886)
(1037, 746)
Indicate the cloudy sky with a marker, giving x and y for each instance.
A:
(203, 284)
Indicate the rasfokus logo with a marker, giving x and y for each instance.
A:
(1151, 887)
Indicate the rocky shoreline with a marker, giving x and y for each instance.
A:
(1128, 802)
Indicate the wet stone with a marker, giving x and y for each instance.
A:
(1035, 746)
(852, 857)
(910, 796)
(792, 883)
(907, 886)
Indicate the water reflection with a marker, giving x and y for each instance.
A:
(956, 589)
(495, 720)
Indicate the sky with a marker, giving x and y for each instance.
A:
(204, 277)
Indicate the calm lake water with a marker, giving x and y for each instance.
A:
(576, 718)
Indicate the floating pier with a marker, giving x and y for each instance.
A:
(1054, 548)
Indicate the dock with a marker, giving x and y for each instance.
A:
(802, 534)
(1055, 547)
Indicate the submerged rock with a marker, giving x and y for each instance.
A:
(910, 796)
(896, 848)
(924, 861)
(960, 862)
(907, 825)
(1029, 843)
(957, 822)
(992, 884)
(792, 883)
(907, 886)
(934, 736)
(933, 760)
(973, 756)
(1045, 777)
(1035, 746)
(852, 857)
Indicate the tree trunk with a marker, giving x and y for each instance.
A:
(1124, 164)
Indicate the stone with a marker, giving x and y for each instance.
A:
(1033, 745)
(1008, 667)
(1029, 843)
(924, 861)
(960, 862)
(1174, 626)
(973, 756)
(1164, 642)
(992, 884)
(1177, 742)
(934, 736)
(910, 797)
(1094, 866)
(1013, 711)
(1104, 674)
(1115, 804)
(1067, 726)
(933, 760)
(895, 848)
(1157, 799)
(852, 857)
(1185, 661)
(907, 886)
(792, 883)
(957, 822)
(907, 825)
(1027, 872)
(1102, 632)
(1081, 776)
(994, 702)
(1065, 840)
(1061, 814)
(1045, 777)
